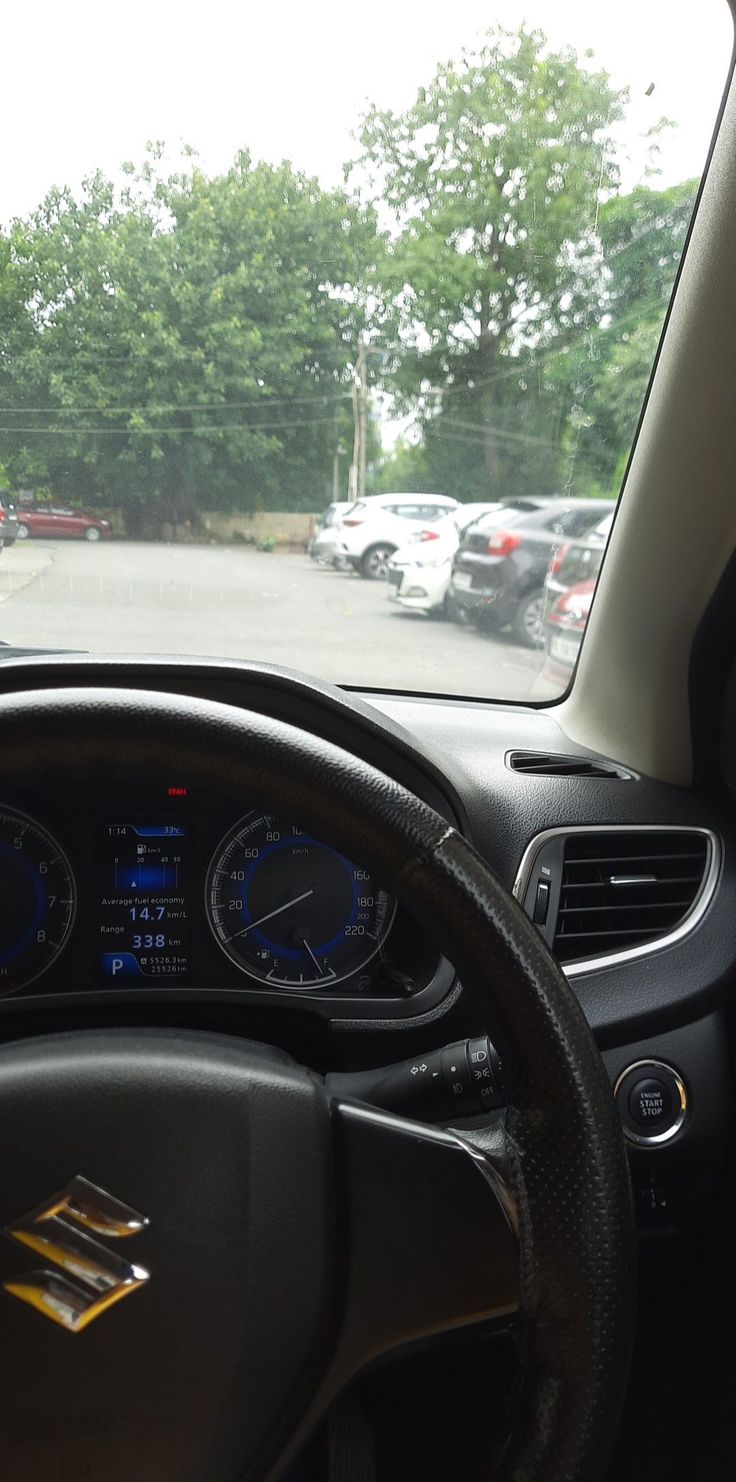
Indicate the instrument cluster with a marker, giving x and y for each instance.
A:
(185, 892)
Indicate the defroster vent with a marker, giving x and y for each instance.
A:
(555, 764)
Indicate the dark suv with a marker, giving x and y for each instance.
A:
(499, 571)
(8, 522)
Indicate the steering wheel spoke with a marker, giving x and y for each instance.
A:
(432, 1243)
(428, 1239)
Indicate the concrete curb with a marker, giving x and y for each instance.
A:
(19, 566)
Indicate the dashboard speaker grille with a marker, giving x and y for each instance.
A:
(622, 890)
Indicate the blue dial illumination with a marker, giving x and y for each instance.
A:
(290, 910)
(37, 900)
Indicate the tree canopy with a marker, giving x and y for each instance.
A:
(184, 342)
(173, 343)
(494, 176)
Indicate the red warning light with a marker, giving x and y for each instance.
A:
(177, 792)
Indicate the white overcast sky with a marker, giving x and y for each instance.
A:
(85, 84)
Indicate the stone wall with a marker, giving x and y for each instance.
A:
(289, 529)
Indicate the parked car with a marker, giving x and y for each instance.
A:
(373, 528)
(563, 631)
(577, 560)
(8, 522)
(570, 586)
(324, 537)
(419, 572)
(499, 572)
(66, 524)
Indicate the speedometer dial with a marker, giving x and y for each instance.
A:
(37, 900)
(291, 911)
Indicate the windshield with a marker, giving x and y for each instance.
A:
(283, 288)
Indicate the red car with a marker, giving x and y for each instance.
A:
(65, 524)
(564, 628)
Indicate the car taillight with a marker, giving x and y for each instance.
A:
(559, 557)
(352, 523)
(2, 514)
(427, 535)
(502, 543)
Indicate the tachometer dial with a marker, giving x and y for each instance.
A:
(37, 900)
(289, 910)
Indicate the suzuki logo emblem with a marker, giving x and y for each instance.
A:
(88, 1278)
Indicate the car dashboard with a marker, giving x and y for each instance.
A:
(179, 907)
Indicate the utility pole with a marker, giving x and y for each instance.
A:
(360, 423)
(363, 418)
(336, 456)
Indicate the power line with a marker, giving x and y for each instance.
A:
(213, 406)
(172, 431)
(519, 369)
(512, 370)
(479, 436)
(488, 430)
(523, 368)
(142, 353)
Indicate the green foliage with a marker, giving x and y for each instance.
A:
(184, 344)
(405, 471)
(527, 292)
(642, 237)
(495, 176)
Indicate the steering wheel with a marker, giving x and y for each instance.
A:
(260, 1277)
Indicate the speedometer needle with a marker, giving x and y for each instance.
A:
(252, 924)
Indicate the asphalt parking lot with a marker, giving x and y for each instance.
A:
(234, 602)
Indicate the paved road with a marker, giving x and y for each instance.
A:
(232, 602)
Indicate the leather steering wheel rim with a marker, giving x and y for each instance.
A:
(568, 1164)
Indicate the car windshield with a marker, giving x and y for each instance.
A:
(281, 287)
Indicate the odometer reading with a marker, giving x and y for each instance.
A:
(291, 911)
(37, 900)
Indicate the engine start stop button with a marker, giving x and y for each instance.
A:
(652, 1102)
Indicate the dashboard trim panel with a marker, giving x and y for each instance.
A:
(451, 754)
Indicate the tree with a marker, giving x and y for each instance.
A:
(495, 176)
(406, 470)
(642, 237)
(190, 339)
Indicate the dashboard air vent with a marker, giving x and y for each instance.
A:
(552, 764)
(624, 890)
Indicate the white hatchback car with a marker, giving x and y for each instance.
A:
(374, 527)
(419, 572)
